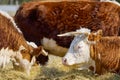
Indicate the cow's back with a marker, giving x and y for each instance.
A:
(11, 36)
(47, 19)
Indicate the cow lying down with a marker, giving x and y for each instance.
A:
(92, 50)
(14, 47)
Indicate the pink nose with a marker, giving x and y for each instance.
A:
(64, 61)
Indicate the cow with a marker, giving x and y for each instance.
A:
(40, 22)
(14, 47)
(90, 50)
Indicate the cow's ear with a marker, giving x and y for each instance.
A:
(99, 32)
(91, 37)
(99, 35)
(39, 50)
(94, 37)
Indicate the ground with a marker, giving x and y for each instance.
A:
(54, 70)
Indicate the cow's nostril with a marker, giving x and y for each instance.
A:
(65, 60)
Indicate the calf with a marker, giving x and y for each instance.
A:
(92, 50)
(14, 47)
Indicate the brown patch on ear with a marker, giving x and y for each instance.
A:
(99, 35)
(37, 51)
(100, 32)
(91, 37)
(26, 54)
(95, 36)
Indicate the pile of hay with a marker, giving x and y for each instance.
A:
(54, 70)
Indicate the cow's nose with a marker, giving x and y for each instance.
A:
(64, 61)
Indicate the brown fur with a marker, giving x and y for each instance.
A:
(106, 54)
(37, 50)
(95, 36)
(11, 38)
(47, 19)
(26, 55)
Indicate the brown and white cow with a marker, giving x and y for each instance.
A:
(42, 21)
(92, 50)
(14, 47)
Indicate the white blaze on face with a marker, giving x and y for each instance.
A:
(7, 55)
(78, 52)
(23, 64)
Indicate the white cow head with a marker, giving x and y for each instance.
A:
(79, 51)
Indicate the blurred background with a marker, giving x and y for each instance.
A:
(12, 2)
(11, 6)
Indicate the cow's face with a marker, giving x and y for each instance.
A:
(79, 51)
(24, 58)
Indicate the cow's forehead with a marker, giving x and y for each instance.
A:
(76, 41)
(84, 30)
(78, 38)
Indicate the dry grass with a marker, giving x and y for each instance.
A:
(53, 71)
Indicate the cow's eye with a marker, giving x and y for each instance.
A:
(79, 47)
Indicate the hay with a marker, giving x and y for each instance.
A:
(54, 70)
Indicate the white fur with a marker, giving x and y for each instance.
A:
(52, 47)
(79, 52)
(87, 65)
(84, 30)
(49, 43)
(5, 56)
(75, 55)
(24, 64)
(5, 14)
(111, 1)
(32, 44)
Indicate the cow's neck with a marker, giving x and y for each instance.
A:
(10, 36)
(103, 51)
(92, 58)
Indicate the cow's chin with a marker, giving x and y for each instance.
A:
(75, 64)
(71, 63)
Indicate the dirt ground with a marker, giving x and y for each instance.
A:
(54, 70)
